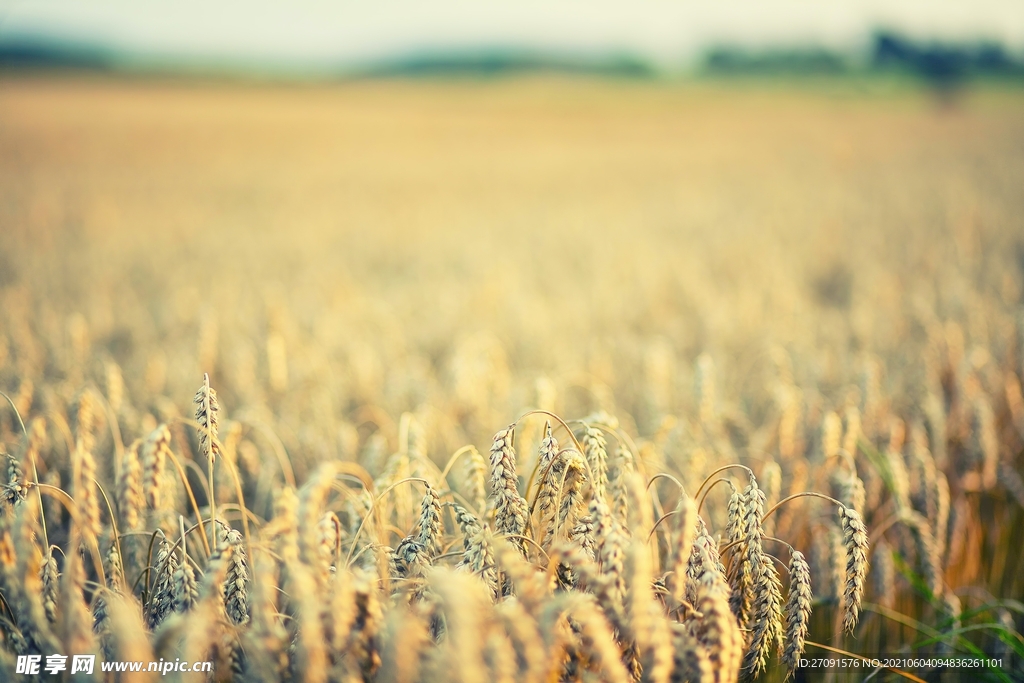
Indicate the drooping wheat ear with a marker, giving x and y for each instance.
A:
(84, 491)
(595, 448)
(798, 610)
(510, 510)
(684, 528)
(207, 410)
(883, 573)
(766, 633)
(718, 631)
(154, 462)
(690, 662)
(50, 578)
(771, 477)
(927, 552)
(130, 499)
(161, 600)
(476, 480)
(236, 580)
(855, 538)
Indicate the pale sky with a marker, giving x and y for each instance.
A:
(319, 33)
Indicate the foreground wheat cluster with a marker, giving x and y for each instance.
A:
(525, 382)
(558, 563)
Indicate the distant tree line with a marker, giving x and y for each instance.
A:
(943, 64)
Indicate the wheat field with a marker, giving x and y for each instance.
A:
(531, 379)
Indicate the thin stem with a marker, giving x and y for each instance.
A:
(666, 475)
(455, 456)
(113, 523)
(812, 494)
(750, 473)
(531, 542)
(660, 520)
(716, 482)
(16, 413)
(538, 411)
(192, 497)
(373, 506)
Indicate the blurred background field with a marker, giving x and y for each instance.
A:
(561, 227)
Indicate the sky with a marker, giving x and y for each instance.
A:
(334, 33)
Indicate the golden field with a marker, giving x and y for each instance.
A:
(823, 283)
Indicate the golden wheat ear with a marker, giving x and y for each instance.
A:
(855, 537)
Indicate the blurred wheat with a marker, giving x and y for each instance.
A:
(526, 382)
